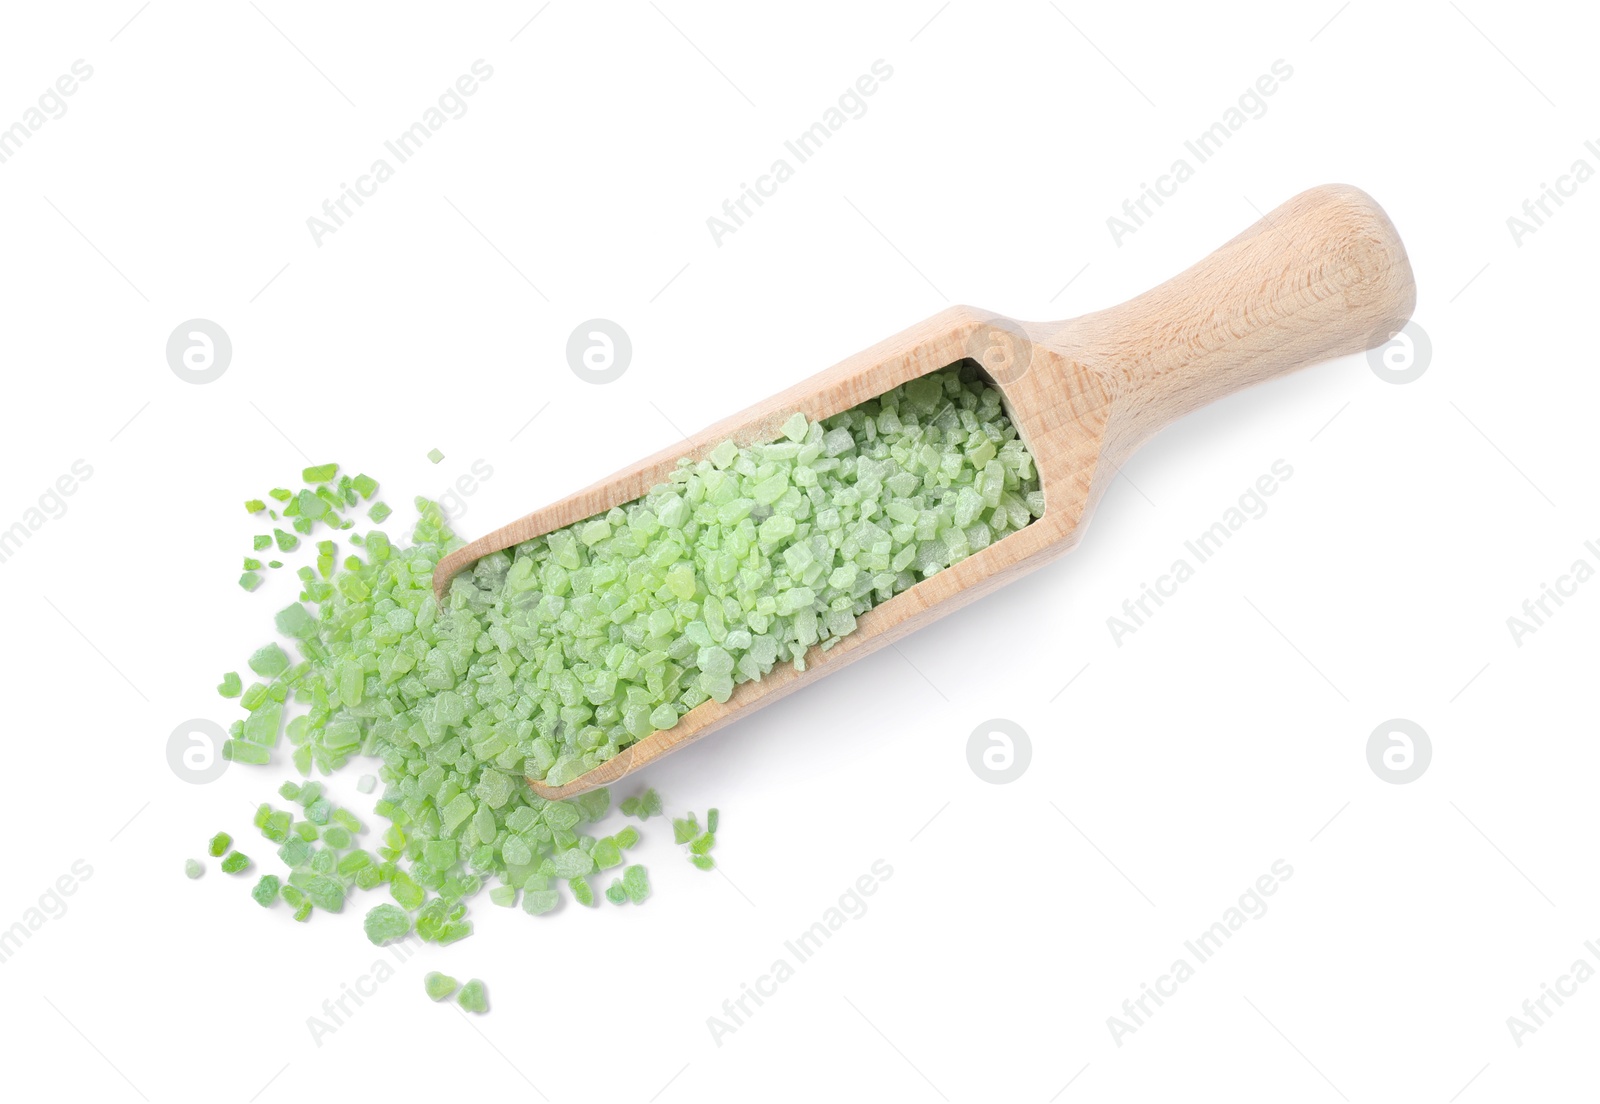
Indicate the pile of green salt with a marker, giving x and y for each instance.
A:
(546, 660)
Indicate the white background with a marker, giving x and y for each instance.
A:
(1227, 733)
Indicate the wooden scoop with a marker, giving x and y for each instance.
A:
(1322, 276)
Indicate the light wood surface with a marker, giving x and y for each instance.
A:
(1321, 276)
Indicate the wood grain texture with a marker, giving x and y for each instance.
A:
(1321, 276)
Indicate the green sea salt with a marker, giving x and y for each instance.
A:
(269, 661)
(537, 902)
(473, 997)
(548, 659)
(636, 884)
(386, 923)
(321, 502)
(439, 986)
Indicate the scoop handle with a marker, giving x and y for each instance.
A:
(1323, 275)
